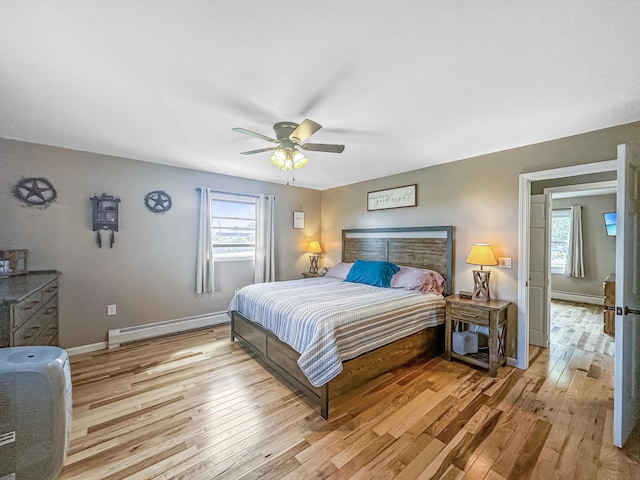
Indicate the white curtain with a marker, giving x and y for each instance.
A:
(575, 262)
(265, 267)
(204, 265)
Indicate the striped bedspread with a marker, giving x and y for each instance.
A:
(329, 321)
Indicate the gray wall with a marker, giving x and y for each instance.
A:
(478, 196)
(150, 272)
(599, 249)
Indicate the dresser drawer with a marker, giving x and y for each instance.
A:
(49, 291)
(29, 332)
(468, 314)
(29, 310)
(49, 332)
(25, 309)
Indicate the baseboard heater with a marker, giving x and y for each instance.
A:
(119, 336)
(575, 297)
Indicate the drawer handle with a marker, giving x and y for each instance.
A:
(51, 289)
(33, 332)
(32, 304)
(50, 310)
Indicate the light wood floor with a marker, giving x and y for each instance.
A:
(579, 325)
(196, 406)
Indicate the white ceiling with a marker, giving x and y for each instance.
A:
(404, 84)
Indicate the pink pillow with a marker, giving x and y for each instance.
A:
(426, 281)
(339, 270)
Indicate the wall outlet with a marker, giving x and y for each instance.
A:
(504, 262)
(111, 309)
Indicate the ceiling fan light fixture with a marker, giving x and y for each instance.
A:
(298, 158)
(279, 158)
(288, 159)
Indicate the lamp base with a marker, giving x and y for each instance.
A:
(481, 285)
(313, 268)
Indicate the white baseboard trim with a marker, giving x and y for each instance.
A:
(577, 297)
(151, 330)
(86, 348)
(119, 336)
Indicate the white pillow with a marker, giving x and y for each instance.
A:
(426, 281)
(339, 270)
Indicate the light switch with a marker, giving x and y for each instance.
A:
(504, 262)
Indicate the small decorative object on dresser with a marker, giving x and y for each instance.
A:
(492, 314)
(13, 262)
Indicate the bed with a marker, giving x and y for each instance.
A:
(416, 331)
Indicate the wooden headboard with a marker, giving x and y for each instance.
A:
(421, 247)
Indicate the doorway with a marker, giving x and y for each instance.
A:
(526, 181)
(577, 318)
(626, 412)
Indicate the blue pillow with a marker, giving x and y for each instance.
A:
(373, 273)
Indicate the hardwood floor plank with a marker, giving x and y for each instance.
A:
(422, 460)
(530, 452)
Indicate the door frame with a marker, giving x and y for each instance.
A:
(525, 180)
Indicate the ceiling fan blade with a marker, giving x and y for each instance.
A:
(254, 134)
(304, 130)
(323, 147)
(260, 150)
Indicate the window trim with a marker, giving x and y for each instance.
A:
(237, 198)
(559, 212)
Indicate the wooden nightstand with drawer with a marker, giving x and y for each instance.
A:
(461, 313)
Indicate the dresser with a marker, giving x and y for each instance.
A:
(29, 309)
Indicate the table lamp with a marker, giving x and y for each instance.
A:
(481, 254)
(315, 251)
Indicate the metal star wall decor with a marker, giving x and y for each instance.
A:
(158, 201)
(35, 192)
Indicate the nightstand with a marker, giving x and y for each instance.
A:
(310, 275)
(461, 313)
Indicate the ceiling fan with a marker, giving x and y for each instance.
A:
(290, 136)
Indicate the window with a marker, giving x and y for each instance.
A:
(233, 227)
(560, 228)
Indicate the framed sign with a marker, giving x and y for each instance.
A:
(392, 198)
(298, 219)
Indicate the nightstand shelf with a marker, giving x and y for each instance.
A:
(461, 313)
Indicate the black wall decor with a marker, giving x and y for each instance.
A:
(158, 201)
(105, 216)
(35, 192)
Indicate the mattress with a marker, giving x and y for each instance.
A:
(329, 321)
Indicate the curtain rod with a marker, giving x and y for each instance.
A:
(231, 193)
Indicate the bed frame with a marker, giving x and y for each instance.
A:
(422, 247)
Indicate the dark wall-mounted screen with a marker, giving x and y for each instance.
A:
(610, 223)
